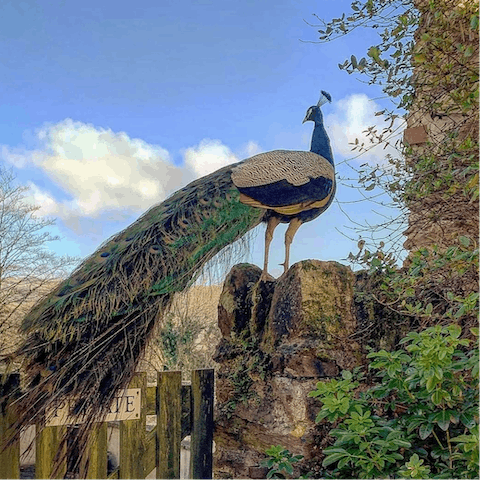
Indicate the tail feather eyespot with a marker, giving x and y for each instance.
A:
(155, 249)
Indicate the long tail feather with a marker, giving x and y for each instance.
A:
(86, 337)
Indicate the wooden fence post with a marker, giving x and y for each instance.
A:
(51, 453)
(50, 446)
(10, 456)
(169, 424)
(94, 463)
(201, 451)
(133, 443)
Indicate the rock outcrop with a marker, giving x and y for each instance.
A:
(279, 338)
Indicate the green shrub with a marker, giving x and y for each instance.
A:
(281, 462)
(419, 418)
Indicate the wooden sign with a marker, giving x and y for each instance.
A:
(125, 406)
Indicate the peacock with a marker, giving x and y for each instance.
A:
(85, 338)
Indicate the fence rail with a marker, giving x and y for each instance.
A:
(181, 410)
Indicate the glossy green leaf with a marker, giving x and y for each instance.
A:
(425, 430)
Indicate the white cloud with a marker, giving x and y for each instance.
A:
(98, 170)
(46, 204)
(105, 175)
(208, 156)
(351, 117)
(251, 149)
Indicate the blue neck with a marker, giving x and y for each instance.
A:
(320, 141)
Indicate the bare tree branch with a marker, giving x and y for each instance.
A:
(28, 269)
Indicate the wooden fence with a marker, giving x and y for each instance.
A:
(181, 410)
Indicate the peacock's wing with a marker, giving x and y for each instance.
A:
(285, 181)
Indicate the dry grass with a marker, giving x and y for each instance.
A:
(17, 297)
(192, 325)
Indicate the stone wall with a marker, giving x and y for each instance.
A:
(279, 338)
(439, 121)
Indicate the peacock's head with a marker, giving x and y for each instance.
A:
(314, 113)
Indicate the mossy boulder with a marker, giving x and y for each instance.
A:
(313, 305)
(280, 337)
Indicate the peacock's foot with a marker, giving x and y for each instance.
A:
(266, 277)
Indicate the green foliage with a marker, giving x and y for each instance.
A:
(419, 418)
(433, 289)
(185, 340)
(281, 462)
(388, 63)
(251, 365)
(336, 396)
(431, 75)
(172, 337)
(414, 468)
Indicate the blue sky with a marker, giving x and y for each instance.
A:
(108, 106)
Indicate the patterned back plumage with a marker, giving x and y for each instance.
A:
(296, 167)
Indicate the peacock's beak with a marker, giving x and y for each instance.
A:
(307, 117)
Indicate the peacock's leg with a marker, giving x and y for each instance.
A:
(272, 224)
(293, 226)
